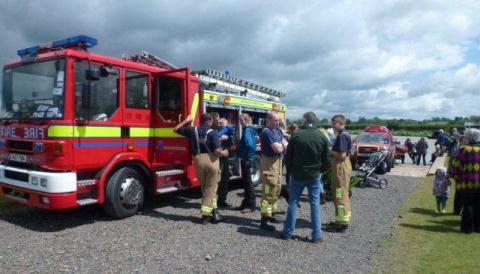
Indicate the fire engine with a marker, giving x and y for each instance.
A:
(79, 128)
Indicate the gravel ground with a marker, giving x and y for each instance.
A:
(166, 238)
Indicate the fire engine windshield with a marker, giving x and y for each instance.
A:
(373, 138)
(33, 91)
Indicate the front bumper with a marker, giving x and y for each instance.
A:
(48, 190)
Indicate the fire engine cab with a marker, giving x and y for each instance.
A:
(79, 128)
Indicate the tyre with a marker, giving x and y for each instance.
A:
(124, 193)
(383, 183)
(256, 171)
(382, 168)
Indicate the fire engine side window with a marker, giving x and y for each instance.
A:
(137, 90)
(105, 93)
(169, 94)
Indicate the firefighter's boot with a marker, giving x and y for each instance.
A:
(216, 217)
(265, 225)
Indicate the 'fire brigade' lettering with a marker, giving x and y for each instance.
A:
(33, 133)
(8, 132)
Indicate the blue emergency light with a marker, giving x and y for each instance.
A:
(79, 40)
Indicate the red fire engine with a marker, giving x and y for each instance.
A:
(79, 128)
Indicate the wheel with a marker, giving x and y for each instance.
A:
(256, 171)
(363, 184)
(124, 193)
(389, 165)
(383, 183)
(382, 168)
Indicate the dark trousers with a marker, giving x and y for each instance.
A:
(249, 199)
(225, 177)
(470, 212)
(457, 203)
(421, 156)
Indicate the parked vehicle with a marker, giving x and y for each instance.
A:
(78, 128)
(375, 138)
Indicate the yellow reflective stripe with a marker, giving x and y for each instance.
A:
(342, 216)
(193, 110)
(206, 209)
(265, 207)
(166, 132)
(86, 131)
(210, 96)
(266, 188)
(338, 193)
(60, 131)
(240, 101)
(92, 131)
(83, 131)
(141, 132)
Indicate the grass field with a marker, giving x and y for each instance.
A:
(426, 242)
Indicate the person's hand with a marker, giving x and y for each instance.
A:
(284, 143)
(223, 138)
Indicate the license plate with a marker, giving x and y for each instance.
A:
(18, 157)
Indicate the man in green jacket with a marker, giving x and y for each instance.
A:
(307, 158)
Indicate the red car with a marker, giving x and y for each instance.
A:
(375, 138)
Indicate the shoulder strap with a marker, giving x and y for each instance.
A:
(196, 139)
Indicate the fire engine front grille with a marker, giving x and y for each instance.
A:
(367, 149)
(16, 175)
(20, 145)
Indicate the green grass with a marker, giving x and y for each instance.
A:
(426, 242)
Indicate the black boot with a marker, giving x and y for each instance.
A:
(206, 219)
(265, 225)
(216, 217)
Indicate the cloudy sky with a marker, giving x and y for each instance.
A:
(400, 59)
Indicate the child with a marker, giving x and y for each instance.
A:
(441, 188)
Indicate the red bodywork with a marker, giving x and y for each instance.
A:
(92, 158)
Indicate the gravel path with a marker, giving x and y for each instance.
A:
(166, 237)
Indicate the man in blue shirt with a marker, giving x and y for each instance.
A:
(273, 145)
(247, 148)
(206, 148)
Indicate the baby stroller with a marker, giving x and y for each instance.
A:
(366, 176)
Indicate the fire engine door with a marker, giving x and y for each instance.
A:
(172, 106)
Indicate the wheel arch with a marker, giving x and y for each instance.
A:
(133, 160)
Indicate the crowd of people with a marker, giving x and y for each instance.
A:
(307, 155)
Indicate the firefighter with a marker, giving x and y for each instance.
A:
(341, 173)
(273, 145)
(206, 148)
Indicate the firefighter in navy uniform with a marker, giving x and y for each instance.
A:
(206, 148)
(273, 145)
(341, 174)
